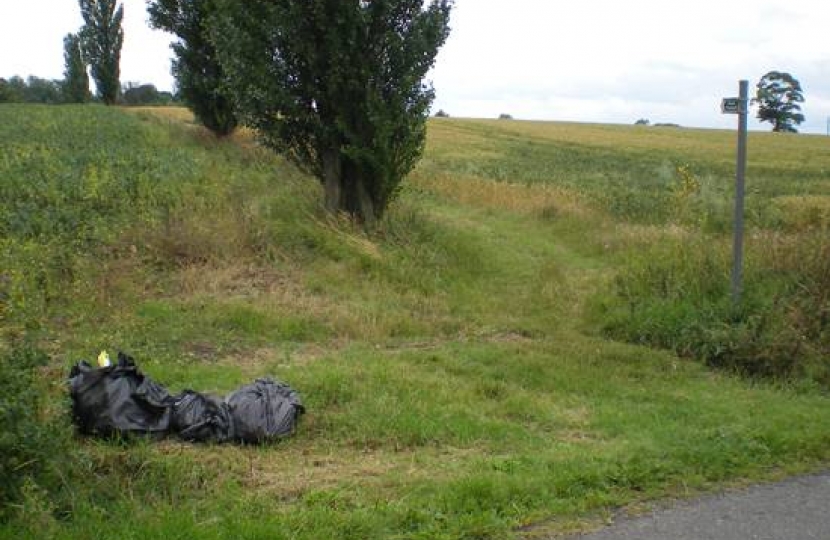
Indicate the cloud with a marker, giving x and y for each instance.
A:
(594, 60)
(605, 60)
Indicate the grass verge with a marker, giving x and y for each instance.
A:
(455, 388)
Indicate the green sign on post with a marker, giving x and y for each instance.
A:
(731, 105)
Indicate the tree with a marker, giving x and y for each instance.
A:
(8, 93)
(102, 37)
(140, 94)
(75, 85)
(337, 86)
(31, 90)
(199, 76)
(38, 90)
(13, 90)
(778, 95)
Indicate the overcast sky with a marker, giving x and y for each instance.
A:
(585, 60)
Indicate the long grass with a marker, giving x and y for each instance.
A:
(455, 386)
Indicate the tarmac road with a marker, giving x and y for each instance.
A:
(796, 509)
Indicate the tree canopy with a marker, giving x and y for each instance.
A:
(76, 81)
(337, 86)
(779, 96)
(199, 76)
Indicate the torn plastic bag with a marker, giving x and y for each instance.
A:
(201, 418)
(263, 411)
(118, 399)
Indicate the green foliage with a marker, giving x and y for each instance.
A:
(82, 185)
(135, 94)
(6, 93)
(71, 183)
(199, 76)
(31, 90)
(57, 184)
(34, 444)
(12, 90)
(43, 91)
(337, 87)
(778, 96)
(102, 38)
(76, 80)
(677, 296)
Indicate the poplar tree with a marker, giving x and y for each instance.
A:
(199, 76)
(102, 38)
(337, 86)
(76, 81)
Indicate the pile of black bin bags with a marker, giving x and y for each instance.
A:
(120, 400)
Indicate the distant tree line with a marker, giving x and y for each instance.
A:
(31, 90)
(56, 92)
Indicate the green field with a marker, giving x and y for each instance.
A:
(492, 362)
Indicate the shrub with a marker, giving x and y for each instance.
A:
(33, 444)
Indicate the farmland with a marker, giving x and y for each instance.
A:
(538, 332)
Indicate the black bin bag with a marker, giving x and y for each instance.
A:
(264, 411)
(118, 400)
(201, 418)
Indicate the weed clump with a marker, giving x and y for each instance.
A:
(677, 296)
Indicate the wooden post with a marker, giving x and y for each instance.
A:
(740, 190)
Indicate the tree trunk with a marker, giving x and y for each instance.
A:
(357, 197)
(365, 204)
(332, 180)
(346, 189)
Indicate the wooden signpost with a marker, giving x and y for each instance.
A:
(739, 106)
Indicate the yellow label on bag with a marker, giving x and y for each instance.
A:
(104, 359)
